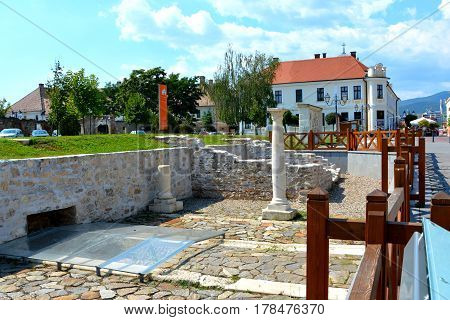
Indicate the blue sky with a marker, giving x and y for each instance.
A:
(190, 37)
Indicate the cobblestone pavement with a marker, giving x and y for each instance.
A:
(268, 263)
(240, 219)
(19, 280)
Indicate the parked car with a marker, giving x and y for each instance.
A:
(55, 133)
(39, 133)
(138, 132)
(11, 133)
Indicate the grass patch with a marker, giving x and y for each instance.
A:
(87, 144)
(220, 139)
(91, 144)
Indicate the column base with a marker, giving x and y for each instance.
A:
(166, 206)
(279, 214)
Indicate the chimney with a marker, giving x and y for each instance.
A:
(324, 55)
(202, 79)
(210, 82)
(353, 54)
(317, 56)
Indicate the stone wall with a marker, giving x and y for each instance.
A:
(101, 187)
(221, 174)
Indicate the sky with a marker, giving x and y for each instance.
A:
(110, 38)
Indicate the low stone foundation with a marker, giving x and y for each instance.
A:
(101, 187)
(222, 174)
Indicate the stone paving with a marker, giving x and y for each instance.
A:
(267, 263)
(21, 280)
(279, 256)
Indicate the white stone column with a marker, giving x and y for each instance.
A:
(164, 182)
(279, 208)
(165, 202)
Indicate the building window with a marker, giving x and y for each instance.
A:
(380, 115)
(379, 91)
(344, 93)
(357, 115)
(344, 116)
(299, 95)
(320, 94)
(356, 92)
(278, 96)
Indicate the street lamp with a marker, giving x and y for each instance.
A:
(361, 108)
(335, 100)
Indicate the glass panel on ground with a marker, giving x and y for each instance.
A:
(146, 256)
(121, 247)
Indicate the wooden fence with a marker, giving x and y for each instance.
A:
(386, 229)
(350, 140)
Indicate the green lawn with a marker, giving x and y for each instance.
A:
(89, 144)
(220, 139)
(58, 146)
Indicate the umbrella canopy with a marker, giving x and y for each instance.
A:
(416, 122)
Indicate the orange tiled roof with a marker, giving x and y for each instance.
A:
(322, 69)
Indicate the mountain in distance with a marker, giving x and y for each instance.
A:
(422, 104)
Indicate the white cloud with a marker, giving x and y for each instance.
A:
(445, 8)
(358, 23)
(269, 9)
(138, 21)
(181, 66)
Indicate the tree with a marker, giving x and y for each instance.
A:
(144, 82)
(409, 118)
(242, 88)
(114, 106)
(85, 95)
(4, 107)
(136, 110)
(183, 94)
(207, 121)
(57, 92)
(290, 119)
(330, 119)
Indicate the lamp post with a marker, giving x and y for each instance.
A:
(335, 100)
(361, 108)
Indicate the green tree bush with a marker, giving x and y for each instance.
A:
(136, 111)
(4, 107)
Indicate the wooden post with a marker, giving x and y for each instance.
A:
(349, 139)
(421, 171)
(311, 140)
(412, 157)
(317, 245)
(384, 165)
(398, 142)
(401, 181)
(440, 210)
(375, 232)
(270, 136)
(379, 139)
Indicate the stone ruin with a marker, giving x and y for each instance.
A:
(242, 169)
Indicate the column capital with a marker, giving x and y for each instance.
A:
(277, 113)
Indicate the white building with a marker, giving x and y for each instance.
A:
(362, 93)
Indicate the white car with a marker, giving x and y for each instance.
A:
(55, 133)
(138, 132)
(11, 133)
(39, 133)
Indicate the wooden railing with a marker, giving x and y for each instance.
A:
(385, 230)
(385, 233)
(350, 140)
